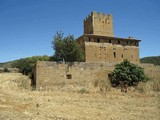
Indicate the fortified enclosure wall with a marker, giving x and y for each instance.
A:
(49, 74)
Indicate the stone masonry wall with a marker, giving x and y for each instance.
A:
(49, 74)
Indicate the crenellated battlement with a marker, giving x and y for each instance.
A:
(99, 15)
(98, 24)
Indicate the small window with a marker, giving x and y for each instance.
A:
(69, 76)
(109, 41)
(122, 55)
(89, 39)
(119, 42)
(114, 53)
(98, 40)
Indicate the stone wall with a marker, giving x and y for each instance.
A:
(107, 52)
(50, 74)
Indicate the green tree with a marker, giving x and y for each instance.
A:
(127, 73)
(66, 48)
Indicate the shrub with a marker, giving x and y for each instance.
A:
(127, 74)
(6, 70)
(83, 90)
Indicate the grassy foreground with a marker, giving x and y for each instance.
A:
(25, 104)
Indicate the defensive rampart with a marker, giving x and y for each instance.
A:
(49, 74)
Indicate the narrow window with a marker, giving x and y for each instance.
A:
(114, 54)
(109, 41)
(122, 55)
(98, 40)
(89, 39)
(106, 20)
(132, 56)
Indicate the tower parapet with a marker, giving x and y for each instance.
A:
(98, 24)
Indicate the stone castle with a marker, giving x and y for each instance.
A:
(102, 51)
(100, 45)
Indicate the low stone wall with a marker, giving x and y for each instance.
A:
(48, 74)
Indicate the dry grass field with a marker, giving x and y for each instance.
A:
(19, 102)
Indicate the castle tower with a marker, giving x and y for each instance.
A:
(98, 24)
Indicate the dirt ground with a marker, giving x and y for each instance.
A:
(17, 103)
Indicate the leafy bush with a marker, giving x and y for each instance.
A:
(83, 90)
(6, 70)
(127, 74)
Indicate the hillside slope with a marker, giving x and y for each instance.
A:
(152, 60)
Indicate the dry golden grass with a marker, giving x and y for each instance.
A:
(18, 103)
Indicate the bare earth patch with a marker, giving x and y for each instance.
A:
(25, 104)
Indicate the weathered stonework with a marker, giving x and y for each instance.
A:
(100, 45)
(98, 24)
(48, 74)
